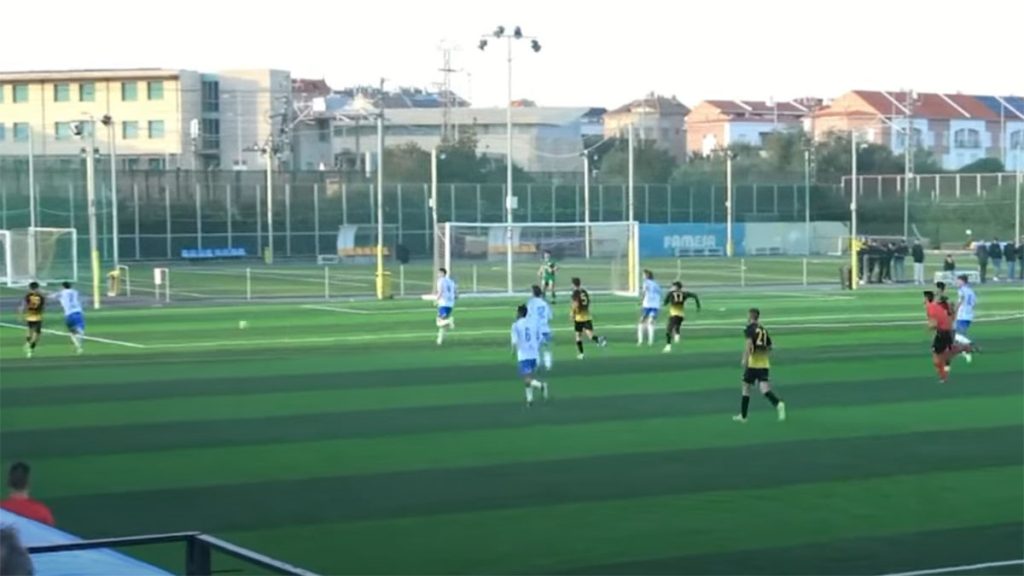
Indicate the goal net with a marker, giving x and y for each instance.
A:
(45, 255)
(604, 255)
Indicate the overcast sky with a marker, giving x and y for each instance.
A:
(594, 53)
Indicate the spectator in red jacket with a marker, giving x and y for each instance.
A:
(18, 500)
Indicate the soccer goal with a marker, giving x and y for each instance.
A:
(45, 255)
(604, 255)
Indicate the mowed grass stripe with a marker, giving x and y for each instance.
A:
(323, 369)
(72, 441)
(135, 471)
(553, 482)
(616, 382)
(893, 553)
(552, 539)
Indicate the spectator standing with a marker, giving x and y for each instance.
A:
(888, 252)
(995, 254)
(1020, 258)
(917, 253)
(1010, 254)
(18, 499)
(981, 253)
(873, 254)
(14, 558)
(898, 259)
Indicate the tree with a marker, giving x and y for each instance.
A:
(407, 163)
(651, 164)
(984, 166)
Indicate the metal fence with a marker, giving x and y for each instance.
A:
(161, 213)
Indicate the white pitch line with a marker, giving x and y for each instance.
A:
(963, 568)
(330, 308)
(89, 338)
(709, 325)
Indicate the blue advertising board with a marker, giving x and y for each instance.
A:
(668, 240)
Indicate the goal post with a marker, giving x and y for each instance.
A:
(604, 255)
(44, 255)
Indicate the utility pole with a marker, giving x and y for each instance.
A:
(908, 160)
(380, 193)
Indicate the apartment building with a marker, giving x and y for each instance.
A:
(654, 118)
(717, 124)
(151, 118)
(957, 128)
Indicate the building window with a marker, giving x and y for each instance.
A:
(21, 132)
(156, 129)
(3, 132)
(62, 130)
(915, 140)
(87, 92)
(129, 91)
(87, 127)
(131, 163)
(20, 93)
(129, 130)
(211, 96)
(62, 92)
(156, 163)
(2, 90)
(967, 138)
(1017, 140)
(210, 133)
(155, 90)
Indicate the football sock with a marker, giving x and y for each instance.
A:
(595, 338)
(940, 367)
(744, 405)
(668, 337)
(579, 346)
(772, 398)
(640, 333)
(440, 335)
(650, 332)
(529, 394)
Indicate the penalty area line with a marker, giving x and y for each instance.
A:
(962, 568)
(87, 338)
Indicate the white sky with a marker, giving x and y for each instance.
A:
(594, 53)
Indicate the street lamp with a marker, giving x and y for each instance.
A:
(90, 193)
(516, 34)
(729, 248)
(854, 259)
(807, 200)
(108, 121)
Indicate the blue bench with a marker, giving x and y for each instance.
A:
(211, 253)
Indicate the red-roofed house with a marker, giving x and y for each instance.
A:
(717, 124)
(957, 128)
(655, 118)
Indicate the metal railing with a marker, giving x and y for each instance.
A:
(199, 550)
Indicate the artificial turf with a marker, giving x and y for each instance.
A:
(339, 437)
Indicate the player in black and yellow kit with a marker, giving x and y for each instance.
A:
(676, 302)
(580, 315)
(32, 307)
(755, 363)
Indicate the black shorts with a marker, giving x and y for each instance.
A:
(35, 326)
(943, 341)
(674, 323)
(584, 325)
(755, 375)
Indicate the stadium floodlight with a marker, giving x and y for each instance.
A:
(517, 34)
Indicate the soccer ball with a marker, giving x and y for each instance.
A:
(242, 324)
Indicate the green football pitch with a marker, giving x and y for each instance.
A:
(337, 436)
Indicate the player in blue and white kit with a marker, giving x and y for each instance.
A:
(540, 312)
(74, 318)
(650, 303)
(526, 342)
(966, 300)
(445, 298)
